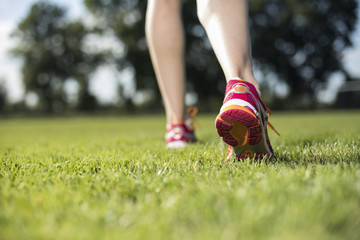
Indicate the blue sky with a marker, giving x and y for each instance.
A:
(12, 11)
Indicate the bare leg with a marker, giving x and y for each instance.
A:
(226, 24)
(165, 36)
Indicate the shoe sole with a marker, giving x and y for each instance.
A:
(243, 131)
(176, 144)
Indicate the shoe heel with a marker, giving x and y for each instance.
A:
(238, 128)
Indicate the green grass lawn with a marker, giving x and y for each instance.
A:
(112, 178)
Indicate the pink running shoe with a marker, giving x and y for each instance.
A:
(179, 135)
(242, 122)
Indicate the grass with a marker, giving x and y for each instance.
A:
(112, 178)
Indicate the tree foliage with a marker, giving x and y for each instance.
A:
(3, 96)
(126, 19)
(301, 41)
(51, 48)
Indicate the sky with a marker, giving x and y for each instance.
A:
(102, 82)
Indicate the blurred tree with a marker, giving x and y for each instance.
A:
(52, 52)
(79, 64)
(3, 96)
(127, 20)
(301, 41)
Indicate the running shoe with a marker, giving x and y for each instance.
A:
(178, 135)
(242, 122)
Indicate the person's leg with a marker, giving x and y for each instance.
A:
(242, 121)
(165, 37)
(226, 24)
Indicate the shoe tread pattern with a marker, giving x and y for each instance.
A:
(232, 118)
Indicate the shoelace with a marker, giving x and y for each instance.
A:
(191, 112)
(269, 124)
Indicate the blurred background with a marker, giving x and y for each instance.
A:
(91, 56)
